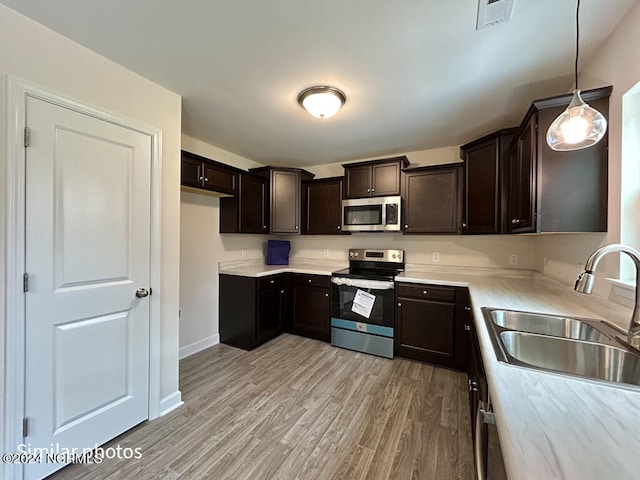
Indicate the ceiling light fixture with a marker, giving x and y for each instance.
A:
(321, 101)
(579, 126)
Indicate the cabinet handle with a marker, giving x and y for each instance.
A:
(264, 227)
(296, 227)
(515, 220)
(373, 190)
(272, 282)
(464, 225)
(309, 280)
(368, 190)
(200, 178)
(206, 179)
(326, 294)
(406, 226)
(281, 292)
(467, 328)
(425, 292)
(399, 304)
(468, 309)
(339, 227)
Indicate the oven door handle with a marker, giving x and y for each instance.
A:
(362, 283)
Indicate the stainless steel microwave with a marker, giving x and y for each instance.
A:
(378, 214)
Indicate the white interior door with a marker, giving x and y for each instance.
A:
(87, 252)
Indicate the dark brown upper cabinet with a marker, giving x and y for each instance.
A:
(208, 175)
(485, 181)
(433, 199)
(285, 199)
(376, 178)
(322, 202)
(553, 191)
(247, 211)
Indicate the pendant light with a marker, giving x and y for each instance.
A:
(579, 126)
(322, 101)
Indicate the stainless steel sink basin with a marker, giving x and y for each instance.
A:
(553, 325)
(587, 359)
(575, 346)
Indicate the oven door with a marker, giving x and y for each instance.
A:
(362, 301)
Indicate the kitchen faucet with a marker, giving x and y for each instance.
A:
(584, 284)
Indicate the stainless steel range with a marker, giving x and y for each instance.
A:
(362, 301)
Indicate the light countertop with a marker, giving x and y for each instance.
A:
(551, 426)
(248, 269)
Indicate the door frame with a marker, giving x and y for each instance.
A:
(17, 92)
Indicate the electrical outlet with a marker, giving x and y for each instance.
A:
(435, 257)
(326, 253)
(513, 259)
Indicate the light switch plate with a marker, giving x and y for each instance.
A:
(513, 259)
(435, 257)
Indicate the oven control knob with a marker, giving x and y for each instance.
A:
(393, 256)
(351, 254)
(355, 254)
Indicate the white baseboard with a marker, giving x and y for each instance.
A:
(170, 402)
(199, 345)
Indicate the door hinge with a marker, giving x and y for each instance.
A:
(27, 136)
(25, 282)
(25, 427)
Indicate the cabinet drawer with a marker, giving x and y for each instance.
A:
(273, 281)
(430, 292)
(321, 281)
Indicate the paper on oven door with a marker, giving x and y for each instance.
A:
(363, 303)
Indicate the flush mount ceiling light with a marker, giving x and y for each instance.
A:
(321, 101)
(579, 126)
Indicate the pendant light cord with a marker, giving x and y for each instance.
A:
(577, 41)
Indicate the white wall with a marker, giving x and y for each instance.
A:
(34, 53)
(202, 247)
(613, 64)
(421, 158)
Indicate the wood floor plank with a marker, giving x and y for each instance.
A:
(296, 408)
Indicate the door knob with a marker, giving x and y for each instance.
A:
(142, 292)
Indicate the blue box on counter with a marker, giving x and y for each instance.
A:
(278, 252)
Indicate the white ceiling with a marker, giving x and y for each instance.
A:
(416, 73)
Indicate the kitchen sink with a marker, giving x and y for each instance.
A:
(587, 359)
(557, 326)
(575, 346)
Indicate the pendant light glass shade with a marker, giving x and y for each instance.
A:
(322, 102)
(579, 126)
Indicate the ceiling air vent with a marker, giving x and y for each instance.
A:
(492, 12)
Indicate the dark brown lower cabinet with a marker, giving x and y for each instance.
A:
(311, 306)
(252, 310)
(431, 323)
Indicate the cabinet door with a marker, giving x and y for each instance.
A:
(358, 181)
(432, 200)
(385, 179)
(425, 330)
(311, 315)
(269, 313)
(482, 200)
(251, 213)
(522, 181)
(191, 172)
(323, 207)
(219, 179)
(285, 202)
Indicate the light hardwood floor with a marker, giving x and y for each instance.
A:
(297, 408)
